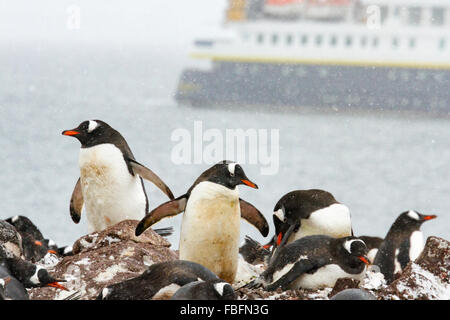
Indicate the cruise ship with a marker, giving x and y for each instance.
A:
(340, 54)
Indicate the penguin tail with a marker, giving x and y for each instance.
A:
(254, 284)
(164, 232)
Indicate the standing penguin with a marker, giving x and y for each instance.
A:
(402, 244)
(314, 262)
(210, 227)
(302, 213)
(110, 184)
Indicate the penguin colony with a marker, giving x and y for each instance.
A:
(313, 244)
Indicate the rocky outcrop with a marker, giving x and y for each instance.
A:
(427, 278)
(107, 257)
(116, 254)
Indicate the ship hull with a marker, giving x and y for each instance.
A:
(335, 86)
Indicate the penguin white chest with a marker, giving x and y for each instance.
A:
(111, 194)
(334, 221)
(324, 277)
(210, 229)
(416, 245)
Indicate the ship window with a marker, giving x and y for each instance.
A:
(363, 41)
(318, 39)
(414, 15)
(304, 39)
(395, 42)
(333, 40)
(289, 39)
(412, 42)
(274, 38)
(260, 38)
(375, 42)
(383, 13)
(437, 16)
(442, 44)
(348, 41)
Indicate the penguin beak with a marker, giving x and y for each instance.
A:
(70, 132)
(279, 238)
(429, 217)
(57, 285)
(249, 183)
(364, 259)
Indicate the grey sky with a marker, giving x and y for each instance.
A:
(108, 21)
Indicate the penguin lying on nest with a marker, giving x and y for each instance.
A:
(162, 280)
(313, 262)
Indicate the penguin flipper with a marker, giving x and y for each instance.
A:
(299, 268)
(254, 216)
(76, 202)
(167, 209)
(149, 175)
(403, 254)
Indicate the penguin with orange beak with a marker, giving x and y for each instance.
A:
(403, 243)
(313, 262)
(29, 274)
(210, 228)
(110, 186)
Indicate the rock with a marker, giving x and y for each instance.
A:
(10, 240)
(104, 258)
(427, 278)
(354, 294)
(342, 284)
(123, 230)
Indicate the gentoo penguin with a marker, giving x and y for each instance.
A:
(29, 274)
(314, 262)
(354, 294)
(402, 244)
(34, 245)
(211, 222)
(10, 287)
(3, 283)
(159, 280)
(302, 213)
(110, 184)
(205, 290)
(372, 244)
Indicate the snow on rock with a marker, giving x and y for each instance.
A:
(104, 258)
(427, 278)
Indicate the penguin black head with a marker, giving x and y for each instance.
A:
(412, 219)
(355, 249)
(229, 174)
(224, 291)
(92, 132)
